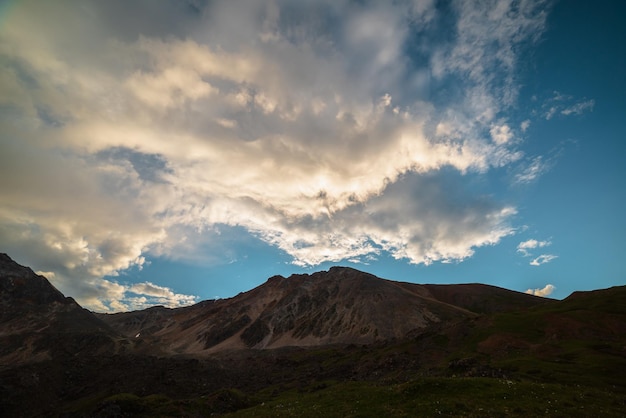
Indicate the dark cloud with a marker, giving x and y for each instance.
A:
(149, 167)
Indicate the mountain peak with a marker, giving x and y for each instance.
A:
(339, 306)
(19, 284)
(345, 270)
(37, 320)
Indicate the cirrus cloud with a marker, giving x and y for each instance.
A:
(566, 105)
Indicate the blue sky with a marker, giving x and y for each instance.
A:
(174, 151)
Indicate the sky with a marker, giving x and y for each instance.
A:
(167, 152)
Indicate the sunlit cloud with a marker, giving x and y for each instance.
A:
(501, 134)
(154, 294)
(543, 292)
(307, 126)
(103, 295)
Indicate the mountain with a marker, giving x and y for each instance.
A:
(337, 342)
(482, 298)
(37, 321)
(339, 306)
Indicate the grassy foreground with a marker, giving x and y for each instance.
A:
(467, 397)
(427, 397)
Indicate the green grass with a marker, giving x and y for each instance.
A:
(432, 396)
(468, 397)
(157, 405)
(576, 341)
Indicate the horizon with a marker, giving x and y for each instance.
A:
(311, 274)
(178, 151)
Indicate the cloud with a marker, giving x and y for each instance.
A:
(525, 125)
(306, 125)
(417, 219)
(103, 295)
(533, 170)
(542, 259)
(544, 292)
(525, 246)
(578, 108)
(565, 105)
(501, 134)
(154, 294)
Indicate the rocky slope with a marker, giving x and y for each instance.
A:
(340, 306)
(37, 321)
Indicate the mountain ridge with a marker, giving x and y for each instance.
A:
(37, 320)
(301, 336)
(339, 306)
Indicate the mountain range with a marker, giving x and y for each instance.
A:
(339, 306)
(331, 336)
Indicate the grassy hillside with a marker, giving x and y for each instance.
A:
(466, 397)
